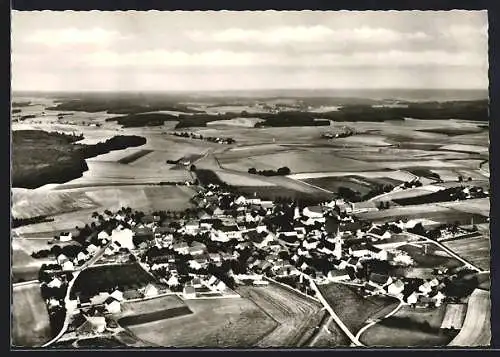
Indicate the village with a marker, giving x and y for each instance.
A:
(229, 240)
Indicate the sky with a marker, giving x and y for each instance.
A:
(209, 50)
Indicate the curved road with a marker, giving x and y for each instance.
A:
(76, 273)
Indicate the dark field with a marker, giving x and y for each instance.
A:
(434, 258)
(132, 157)
(352, 308)
(105, 278)
(154, 316)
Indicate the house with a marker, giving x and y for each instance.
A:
(81, 257)
(196, 250)
(173, 281)
(52, 302)
(425, 288)
(216, 284)
(117, 294)
(68, 265)
(124, 237)
(55, 283)
(103, 235)
(379, 232)
(260, 282)
(412, 298)
(192, 227)
(188, 292)
(196, 282)
(181, 248)
(193, 264)
(215, 257)
(218, 212)
(92, 248)
(99, 298)
(310, 244)
(150, 290)
(396, 288)
(438, 298)
(112, 305)
(313, 212)
(337, 275)
(61, 258)
(65, 237)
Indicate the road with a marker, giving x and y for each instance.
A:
(338, 321)
(87, 264)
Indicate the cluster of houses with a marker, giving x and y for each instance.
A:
(275, 240)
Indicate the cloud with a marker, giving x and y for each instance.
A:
(305, 34)
(223, 58)
(72, 36)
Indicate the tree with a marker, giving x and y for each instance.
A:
(460, 178)
(284, 171)
(192, 168)
(252, 171)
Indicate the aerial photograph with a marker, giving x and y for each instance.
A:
(250, 179)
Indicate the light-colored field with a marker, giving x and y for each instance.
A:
(474, 249)
(214, 323)
(139, 197)
(466, 148)
(30, 320)
(236, 179)
(478, 206)
(297, 160)
(404, 329)
(476, 330)
(30, 203)
(296, 315)
(238, 122)
(395, 175)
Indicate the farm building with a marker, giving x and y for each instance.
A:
(65, 237)
(150, 290)
(189, 292)
(112, 305)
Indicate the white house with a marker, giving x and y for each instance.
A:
(92, 248)
(61, 259)
(103, 235)
(412, 298)
(81, 256)
(150, 290)
(192, 227)
(124, 237)
(189, 292)
(313, 212)
(425, 288)
(52, 302)
(396, 288)
(98, 322)
(55, 283)
(65, 237)
(181, 248)
(310, 244)
(438, 298)
(112, 305)
(71, 306)
(68, 265)
(193, 264)
(117, 294)
(173, 281)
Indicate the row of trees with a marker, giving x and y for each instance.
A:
(282, 171)
(214, 139)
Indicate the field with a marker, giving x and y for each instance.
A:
(31, 203)
(359, 184)
(231, 322)
(434, 258)
(30, 319)
(352, 308)
(144, 311)
(474, 249)
(330, 336)
(478, 206)
(105, 278)
(140, 197)
(407, 328)
(296, 315)
(24, 267)
(476, 330)
(441, 213)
